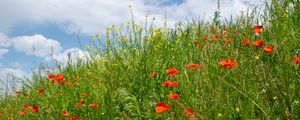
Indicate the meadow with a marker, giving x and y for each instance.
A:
(247, 67)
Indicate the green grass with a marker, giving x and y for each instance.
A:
(118, 75)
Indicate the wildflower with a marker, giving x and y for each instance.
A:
(227, 40)
(205, 37)
(296, 60)
(81, 102)
(73, 118)
(51, 76)
(18, 92)
(170, 84)
(234, 31)
(172, 71)
(188, 112)
(174, 96)
(268, 49)
(246, 42)
(65, 113)
(153, 75)
(256, 57)
(35, 108)
(93, 105)
(257, 29)
(237, 109)
(23, 113)
(258, 43)
(217, 36)
(40, 92)
(26, 107)
(9, 118)
(194, 66)
(228, 63)
(83, 94)
(161, 107)
(196, 42)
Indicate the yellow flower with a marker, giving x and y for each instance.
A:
(256, 57)
(237, 109)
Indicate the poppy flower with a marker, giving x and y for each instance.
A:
(51, 76)
(205, 37)
(296, 60)
(196, 43)
(234, 31)
(227, 40)
(26, 107)
(257, 29)
(170, 84)
(268, 49)
(246, 42)
(258, 43)
(217, 36)
(23, 113)
(40, 92)
(83, 94)
(174, 96)
(73, 118)
(188, 112)
(9, 118)
(93, 105)
(65, 113)
(194, 66)
(172, 71)
(18, 92)
(153, 75)
(161, 107)
(228, 63)
(35, 108)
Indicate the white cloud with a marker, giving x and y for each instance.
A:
(37, 45)
(3, 51)
(72, 54)
(90, 16)
(11, 79)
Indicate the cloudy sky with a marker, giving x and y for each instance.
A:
(34, 32)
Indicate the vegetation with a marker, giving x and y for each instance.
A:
(245, 68)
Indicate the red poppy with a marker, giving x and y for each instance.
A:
(246, 42)
(65, 113)
(93, 105)
(170, 84)
(26, 107)
(83, 94)
(73, 118)
(40, 92)
(23, 113)
(153, 75)
(258, 43)
(188, 112)
(296, 60)
(18, 92)
(172, 71)
(9, 118)
(35, 108)
(161, 107)
(257, 29)
(196, 42)
(268, 49)
(227, 40)
(205, 37)
(51, 76)
(174, 96)
(217, 36)
(228, 63)
(194, 66)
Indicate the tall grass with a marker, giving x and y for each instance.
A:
(119, 76)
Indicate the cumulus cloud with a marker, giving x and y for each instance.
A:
(37, 45)
(3, 51)
(90, 16)
(11, 79)
(72, 54)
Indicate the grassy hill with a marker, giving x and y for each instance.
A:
(231, 69)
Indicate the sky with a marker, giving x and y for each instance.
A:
(38, 32)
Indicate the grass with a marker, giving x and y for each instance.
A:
(126, 73)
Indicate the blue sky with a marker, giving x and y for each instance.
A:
(32, 32)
